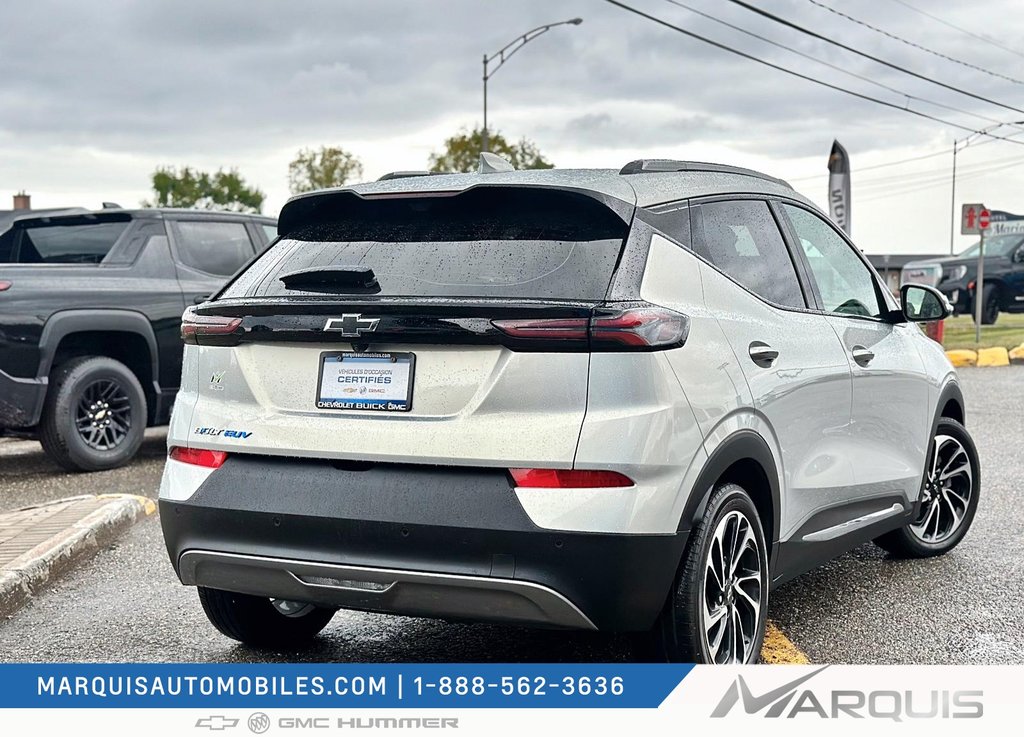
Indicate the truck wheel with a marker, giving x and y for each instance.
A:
(717, 611)
(990, 305)
(94, 416)
(261, 622)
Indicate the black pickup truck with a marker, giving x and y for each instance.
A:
(90, 313)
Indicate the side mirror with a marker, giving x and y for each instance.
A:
(922, 303)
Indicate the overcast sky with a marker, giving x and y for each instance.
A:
(95, 95)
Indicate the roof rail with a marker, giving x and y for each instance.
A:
(647, 166)
(406, 174)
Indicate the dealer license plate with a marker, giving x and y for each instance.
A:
(368, 381)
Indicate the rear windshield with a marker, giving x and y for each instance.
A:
(487, 242)
(67, 242)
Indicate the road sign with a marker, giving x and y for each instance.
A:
(984, 219)
(970, 215)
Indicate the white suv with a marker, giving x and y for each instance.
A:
(628, 400)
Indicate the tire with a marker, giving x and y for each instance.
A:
(990, 305)
(75, 387)
(257, 622)
(920, 539)
(679, 635)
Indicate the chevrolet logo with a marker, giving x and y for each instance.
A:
(216, 723)
(352, 325)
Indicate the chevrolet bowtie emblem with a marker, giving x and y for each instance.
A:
(352, 325)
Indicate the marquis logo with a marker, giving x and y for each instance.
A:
(790, 701)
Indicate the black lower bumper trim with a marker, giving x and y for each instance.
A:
(450, 521)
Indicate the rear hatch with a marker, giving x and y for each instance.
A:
(442, 327)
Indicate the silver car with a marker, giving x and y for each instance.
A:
(617, 400)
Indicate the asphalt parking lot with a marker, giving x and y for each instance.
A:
(126, 605)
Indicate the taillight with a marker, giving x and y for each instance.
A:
(194, 326)
(574, 328)
(645, 327)
(558, 478)
(5, 285)
(625, 326)
(199, 456)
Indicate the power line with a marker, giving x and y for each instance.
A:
(943, 152)
(937, 174)
(838, 68)
(922, 186)
(913, 44)
(972, 34)
(826, 39)
(831, 86)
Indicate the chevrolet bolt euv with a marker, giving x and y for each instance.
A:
(618, 400)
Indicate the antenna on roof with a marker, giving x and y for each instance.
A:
(493, 164)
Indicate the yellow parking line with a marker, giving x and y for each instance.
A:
(780, 650)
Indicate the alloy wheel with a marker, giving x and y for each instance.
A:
(103, 416)
(733, 592)
(947, 492)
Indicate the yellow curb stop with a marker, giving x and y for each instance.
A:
(780, 650)
(1017, 354)
(961, 358)
(993, 357)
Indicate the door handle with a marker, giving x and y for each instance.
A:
(762, 354)
(861, 355)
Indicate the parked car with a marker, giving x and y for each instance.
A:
(90, 313)
(956, 277)
(608, 400)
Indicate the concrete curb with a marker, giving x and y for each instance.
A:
(986, 357)
(34, 569)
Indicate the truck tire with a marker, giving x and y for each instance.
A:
(94, 416)
(990, 305)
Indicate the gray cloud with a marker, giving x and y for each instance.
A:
(95, 94)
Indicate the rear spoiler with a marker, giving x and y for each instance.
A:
(341, 205)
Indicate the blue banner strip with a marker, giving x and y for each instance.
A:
(491, 685)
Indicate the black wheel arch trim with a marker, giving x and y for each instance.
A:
(949, 392)
(68, 322)
(742, 445)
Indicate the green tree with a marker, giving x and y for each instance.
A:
(188, 187)
(327, 166)
(462, 152)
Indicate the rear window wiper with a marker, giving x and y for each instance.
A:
(349, 279)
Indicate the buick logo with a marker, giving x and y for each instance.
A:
(352, 325)
(259, 722)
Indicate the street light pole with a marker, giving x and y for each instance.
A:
(505, 53)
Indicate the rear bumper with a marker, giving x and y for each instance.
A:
(21, 401)
(416, 540)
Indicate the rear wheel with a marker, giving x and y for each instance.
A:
(949, 497)
(95, 414)
(718, 608)
(261, 622)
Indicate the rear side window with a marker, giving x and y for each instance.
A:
(743, 240)
(87, 243)
(218, 248)
(486, 242)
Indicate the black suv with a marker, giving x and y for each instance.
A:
(90, 313)
(1004, 277)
